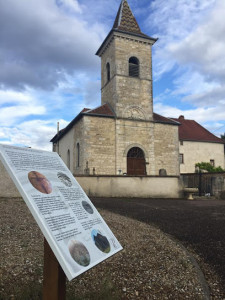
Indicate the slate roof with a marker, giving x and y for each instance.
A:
(190, 130)
(125, 19)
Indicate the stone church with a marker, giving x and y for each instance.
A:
(123, 136)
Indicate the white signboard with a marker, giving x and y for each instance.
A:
(74, 229)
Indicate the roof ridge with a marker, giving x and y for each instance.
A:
(191, 130)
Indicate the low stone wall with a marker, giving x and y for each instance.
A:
(7, 187)
(111, 186)
(131, 187)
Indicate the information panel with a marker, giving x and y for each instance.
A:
(77, 234)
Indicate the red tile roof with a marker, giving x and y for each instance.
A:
(160, 119)
(104, 110)
(85, 109)
(190, 130)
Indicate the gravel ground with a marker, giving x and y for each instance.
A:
(151, 266)
(199, 225)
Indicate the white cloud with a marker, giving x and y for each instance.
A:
(71, 5)
(192, 49)
(48, 67)
(172, 21)
(36, 133)
(12, 97)
(41, 43)
(204, 48)
(206, 116)
(11, 115)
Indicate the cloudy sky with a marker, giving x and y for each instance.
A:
(49, 71)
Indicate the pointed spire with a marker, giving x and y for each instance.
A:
(125, 20)
(125, 23)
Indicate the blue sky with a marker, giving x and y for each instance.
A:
(49, 71)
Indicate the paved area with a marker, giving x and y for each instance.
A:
(198, 224)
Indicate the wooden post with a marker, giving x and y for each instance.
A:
(54, 279)
(200, 184)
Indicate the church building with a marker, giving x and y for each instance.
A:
(123, 136)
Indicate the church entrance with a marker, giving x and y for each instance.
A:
(136, 164)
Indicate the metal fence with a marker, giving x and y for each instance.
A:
(211, 184)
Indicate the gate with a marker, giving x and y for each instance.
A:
(207, 183)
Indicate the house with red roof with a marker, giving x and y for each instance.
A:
(122, 136)
(196, 145)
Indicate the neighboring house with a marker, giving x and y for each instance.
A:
(123, 135)
(197, 144)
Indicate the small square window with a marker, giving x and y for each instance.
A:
(212, 162)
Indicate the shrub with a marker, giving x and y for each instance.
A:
(208, 167)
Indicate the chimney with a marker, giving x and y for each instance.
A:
(181, 117)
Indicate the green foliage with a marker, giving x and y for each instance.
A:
(208, 167)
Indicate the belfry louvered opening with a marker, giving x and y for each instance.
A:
(133, 67)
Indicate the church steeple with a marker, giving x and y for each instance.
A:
(126, 68)
(125, 20)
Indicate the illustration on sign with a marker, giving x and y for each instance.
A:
(76, 232)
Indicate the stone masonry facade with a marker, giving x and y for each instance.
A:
(105, 136)
(123, 92)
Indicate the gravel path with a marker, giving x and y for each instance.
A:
(199, 225)
(151, 266)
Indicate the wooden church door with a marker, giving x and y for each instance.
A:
(136, 164)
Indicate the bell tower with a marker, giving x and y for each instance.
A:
(126, 68)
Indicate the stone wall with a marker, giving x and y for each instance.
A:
(99, 137)
(166, 148)
(105, 142)
(131, 187)
(69, 142)
(65, 149)
(7, 186)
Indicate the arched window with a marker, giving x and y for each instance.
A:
(136, 164)
(133, 67)
(78, 155)
(108, 71)
(68, 159)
